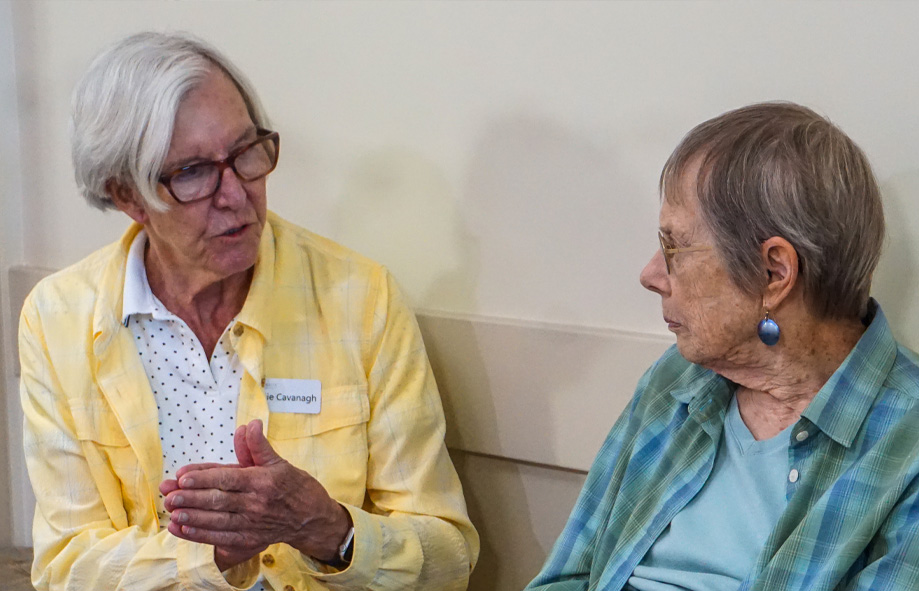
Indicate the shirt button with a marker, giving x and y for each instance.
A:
(289, 588)
(238, 329)
(802, 435)
(793, 476)
(267, 559)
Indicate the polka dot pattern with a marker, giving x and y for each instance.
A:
(195, 397)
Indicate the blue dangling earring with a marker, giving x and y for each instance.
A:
(768, 330)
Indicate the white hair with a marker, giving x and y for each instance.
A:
(123, 111)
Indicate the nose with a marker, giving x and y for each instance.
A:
(231, 193)
(654, 276)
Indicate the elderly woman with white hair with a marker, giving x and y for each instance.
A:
(776, 446)
(222, 399)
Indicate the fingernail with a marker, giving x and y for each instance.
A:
(178, 500)
(183, 517)
(188, 482)
(190, 531)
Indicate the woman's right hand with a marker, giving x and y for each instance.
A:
(224, 557)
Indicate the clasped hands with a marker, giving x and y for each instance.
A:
(243, 508)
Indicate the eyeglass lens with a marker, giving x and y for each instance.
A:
(202, 180)
(664, 249)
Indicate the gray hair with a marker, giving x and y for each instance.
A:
(123, 111)
(780, 169)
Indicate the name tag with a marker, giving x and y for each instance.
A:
(294, 396)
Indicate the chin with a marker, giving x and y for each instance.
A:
(690, 351)
(241, 265)
(685, 351)
(238, 258)
(229, 264)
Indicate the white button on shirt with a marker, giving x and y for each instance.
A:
(196, 397)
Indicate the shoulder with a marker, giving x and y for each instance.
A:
(320, 253)
(321, 274)
(77, 288)
(669, 387)
(903, 378)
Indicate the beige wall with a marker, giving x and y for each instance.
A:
(10, 251)
(502, 159)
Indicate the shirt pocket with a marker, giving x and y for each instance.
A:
(332, 444)
(114, 466)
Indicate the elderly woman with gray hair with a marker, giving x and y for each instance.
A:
(222, 399)
(776, 446)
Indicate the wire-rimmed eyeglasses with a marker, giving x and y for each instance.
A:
(668, 251)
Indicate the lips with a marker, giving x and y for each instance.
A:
(672, 324)
(234, 230)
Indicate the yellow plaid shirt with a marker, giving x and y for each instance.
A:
(315, 310)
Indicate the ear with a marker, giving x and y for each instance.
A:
(781, 261)
(128, 200)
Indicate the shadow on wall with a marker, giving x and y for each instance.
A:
(482, 498)
(399, 209)
(536, 203)
(897, 274)
(528, 183)
(551, 207)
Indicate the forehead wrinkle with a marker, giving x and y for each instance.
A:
(680, 223)
(211, 110)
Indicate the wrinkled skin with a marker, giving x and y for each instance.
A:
(243, 508)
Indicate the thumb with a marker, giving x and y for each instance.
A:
(261, 451)
(243, 455)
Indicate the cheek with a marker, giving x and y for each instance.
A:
(711, 303)
(191, 231)
(257, 194)
(696, 295)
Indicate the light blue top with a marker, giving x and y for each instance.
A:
(712, 544)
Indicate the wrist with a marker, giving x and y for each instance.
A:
(345, 547)
(345, 551)
(329, 549)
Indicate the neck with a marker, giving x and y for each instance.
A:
(206, 303)
(774, 391)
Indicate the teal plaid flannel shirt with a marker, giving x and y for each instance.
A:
(852, 518)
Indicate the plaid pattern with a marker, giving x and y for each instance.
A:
(852, 519)
(315, 310)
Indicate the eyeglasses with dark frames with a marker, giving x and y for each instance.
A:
(668, 251)
(202, 180)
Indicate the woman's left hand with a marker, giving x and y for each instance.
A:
(262, 501)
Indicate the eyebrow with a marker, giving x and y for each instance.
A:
(677, 236)
(250, 131)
